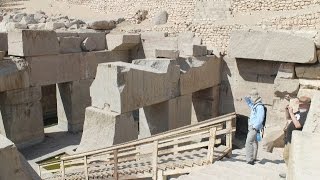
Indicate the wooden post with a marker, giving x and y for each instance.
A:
(115, 159)
(62, 170)
(86, 168)
(229, 136)
(155, 160)
(212, 140)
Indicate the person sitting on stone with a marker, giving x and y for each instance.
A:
(296, 122)
(254, 125)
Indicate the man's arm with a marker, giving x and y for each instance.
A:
(294, 119)
(248, 101)
(260, 117)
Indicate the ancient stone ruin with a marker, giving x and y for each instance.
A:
(74, 90)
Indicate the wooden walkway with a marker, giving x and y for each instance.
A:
(178, 151)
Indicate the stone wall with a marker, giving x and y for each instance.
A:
(271, 5)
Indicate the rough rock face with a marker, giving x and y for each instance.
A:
(272, 46)
(103, 129)
(124, 87)
(161, 18)
(10, 162)
(88, 44)
(102, 25)
(308, 72)
(312, 124)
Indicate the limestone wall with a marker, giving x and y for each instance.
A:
(271, 5)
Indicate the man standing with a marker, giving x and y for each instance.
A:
(296, 123)
(254, 125)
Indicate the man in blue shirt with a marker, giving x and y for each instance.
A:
(254, 125)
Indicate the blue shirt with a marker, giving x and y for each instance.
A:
(256, 115)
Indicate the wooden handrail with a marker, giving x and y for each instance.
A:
(216, 120)
(164, 143)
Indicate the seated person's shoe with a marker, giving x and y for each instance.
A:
(283, 175)
(250, 162)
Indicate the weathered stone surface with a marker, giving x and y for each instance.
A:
(54, 25)
(103, 129)
(2, 54)
(98, 37)
(303, 159)
(274, 138)
(164, 116)
(20, 96)
(124, 87)
(46, 70)
(273, 46)
(4, 42)
(23, 123)
(312, 123)
(70, 44)
(187, 38)
(122, 41)
(170, 54)
(11, 165)
(102, 25)
(193, 50)
(152, 41)
(90, 61)
(153, 35)
(308, 72)
(160, 18)
(13, 74)
(33, 43)
(72, 100)
(205, 104)
(283, 87)
(286, 71)
(199, 73)
(88, 44)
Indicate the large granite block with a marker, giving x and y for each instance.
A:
(123, 87)
(103, 129)
(272, 46)
(116, 42)
(32, 43)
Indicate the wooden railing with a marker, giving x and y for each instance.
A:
(206, 135)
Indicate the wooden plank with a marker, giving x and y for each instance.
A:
(202, 124)
(184, 148)
(229, 134)
(212, 140)
(62, 170)
(86, 168)
(155, 160)
(115, 170)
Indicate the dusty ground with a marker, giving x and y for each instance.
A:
(54, 7)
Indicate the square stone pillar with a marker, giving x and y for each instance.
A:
(164, 116)
(72, 100)
(205, 104)
(21, 116)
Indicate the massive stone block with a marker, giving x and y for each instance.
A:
(32, 43)
(308, 72)
(46, 70)
(286, 71)
(70, 44)
(153, 41)
(283, 87)
(122, 41)
(103, 129)
(72, 100)
(10, 161)
(312, 123)
(90, 61)
(13, 74)
(171, 54)
(273, 46)
(22, 116)
(303, 159)
(98, 37)
(165, 116)
(123, 87)
(199, 73)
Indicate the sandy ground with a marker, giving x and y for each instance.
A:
(53, 7)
